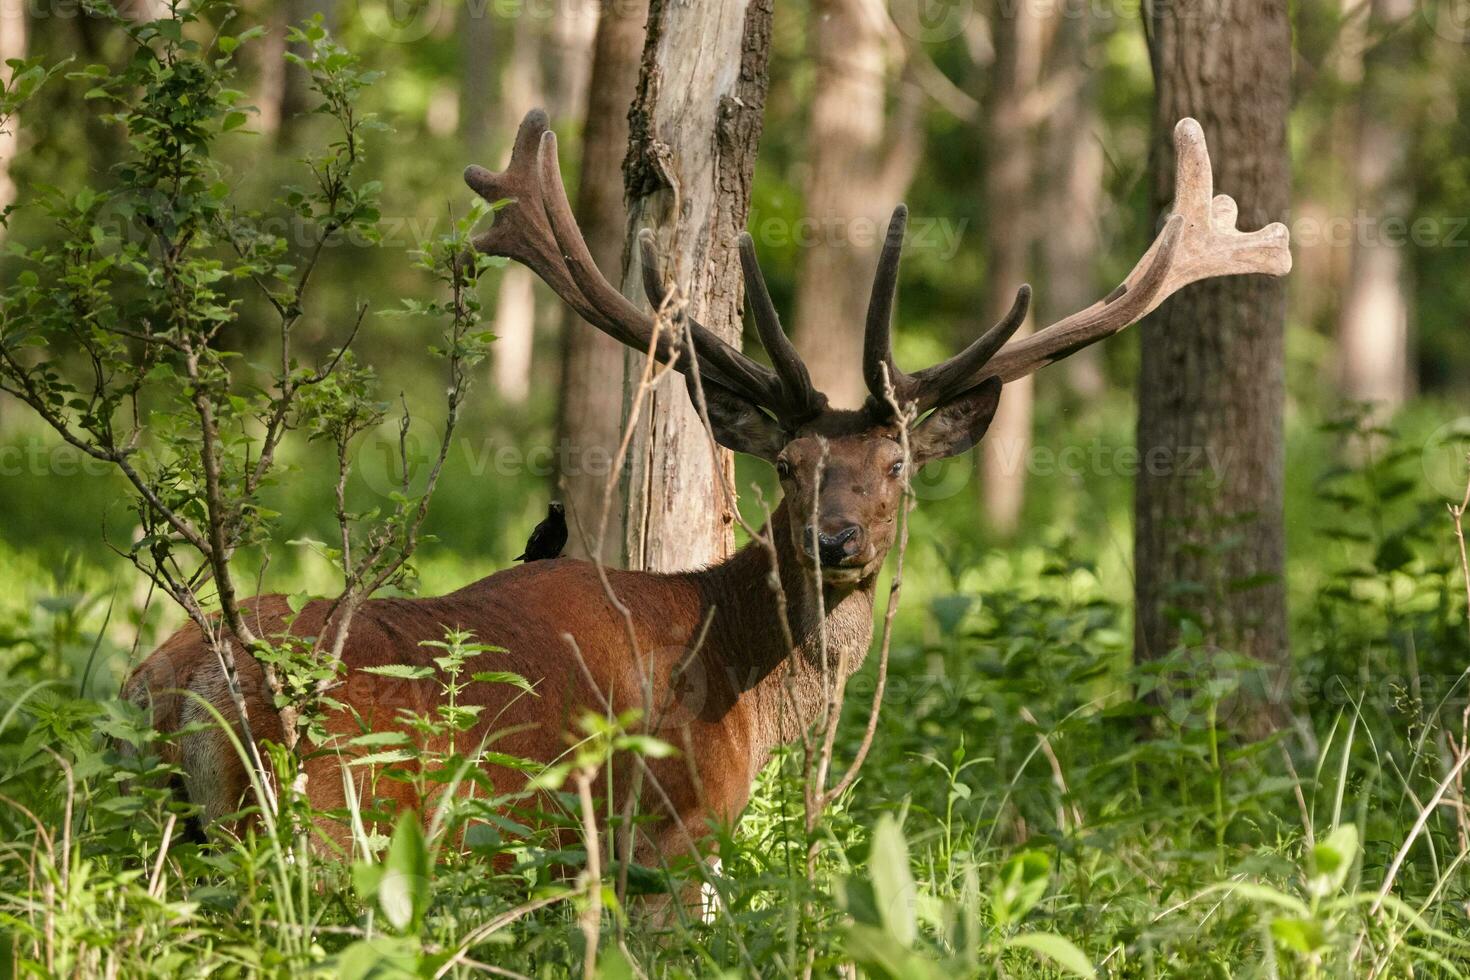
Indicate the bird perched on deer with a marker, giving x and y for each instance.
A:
(549, 537)
(705, 655)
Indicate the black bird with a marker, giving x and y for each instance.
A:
(549, 537)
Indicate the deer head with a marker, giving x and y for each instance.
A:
(843, 470)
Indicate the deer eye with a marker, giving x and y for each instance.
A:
(783, 468)
(896, 468)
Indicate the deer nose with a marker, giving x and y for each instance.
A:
(832, 549)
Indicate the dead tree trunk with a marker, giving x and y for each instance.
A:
(694, 129)
(1209, 538)
(591, 407)
(1009, 183)
(859, 168)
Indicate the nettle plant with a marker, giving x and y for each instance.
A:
(115, 332)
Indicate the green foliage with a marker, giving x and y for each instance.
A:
(1011, 818)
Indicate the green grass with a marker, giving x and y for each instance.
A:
(1022, 812)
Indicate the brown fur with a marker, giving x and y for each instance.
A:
(727, 688)
(728, 706)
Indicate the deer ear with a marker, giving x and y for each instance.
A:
(737, 424)
(957, 424)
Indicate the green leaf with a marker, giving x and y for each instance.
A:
(875, 951)
(894, 891)
(1301, 935)
(646, 745)
(1059, 949)
(373, 739)
(388, 758)
(503, 677)
(403, 891)
(1022, 884)
(1393, 554)
(379, 958)
(1332, 860)
(402, 671)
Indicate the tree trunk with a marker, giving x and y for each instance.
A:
(477, 59)
(591, 407)
(1209, 540)
(1071, 196)
(12, 45)
(515, 301)
(694, 128)
(1373, 330)
(291, 94)
(568, 58)
(1009, 191)
(515, 331)
(859, 168)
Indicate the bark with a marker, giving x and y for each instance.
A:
(694, 129)
(1209, 530)
(860, 165)
(590, 411)
(1373, 330)
(12, 46)
(515, 301)
(1009, 191)
(1071, 196)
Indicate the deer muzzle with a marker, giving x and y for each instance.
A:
(833, 550)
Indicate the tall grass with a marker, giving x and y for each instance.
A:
(1025, 810)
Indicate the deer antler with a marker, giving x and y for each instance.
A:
(537, 229)
(931, 386)
(1199, 240)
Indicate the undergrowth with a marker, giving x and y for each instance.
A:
(1031, 807)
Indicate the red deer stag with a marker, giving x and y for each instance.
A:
(750, 683)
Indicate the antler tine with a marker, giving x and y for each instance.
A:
(803, 401)
(537, 229)
(934, 386)
(717, 358)
(1199, 240)
(521, 231)
(878, 334)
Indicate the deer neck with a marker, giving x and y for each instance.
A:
(829, 629)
